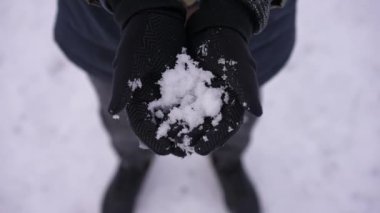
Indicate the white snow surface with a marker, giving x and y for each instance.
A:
(186, 97)
(316, 148)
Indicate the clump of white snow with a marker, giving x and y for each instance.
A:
(187, 98)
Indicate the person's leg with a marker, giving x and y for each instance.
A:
(134, 162)
(234, 148)
(123, 139)
(239, 193)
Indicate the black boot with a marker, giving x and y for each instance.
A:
(239, 193)
(121, 195)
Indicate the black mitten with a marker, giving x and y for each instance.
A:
(152, 34)
(218, 35)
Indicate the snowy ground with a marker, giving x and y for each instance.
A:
(316, 149)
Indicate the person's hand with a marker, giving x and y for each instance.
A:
(150, 40)
(225, 53)
(221, 48)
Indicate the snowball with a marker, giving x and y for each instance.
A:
(187, 98)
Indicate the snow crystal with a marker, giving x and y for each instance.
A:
(203, 49)
(133, 85)
(224, 61)
(226, 98)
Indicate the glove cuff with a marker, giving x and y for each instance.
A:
(124, 9)
(246, 17)
(221, 13)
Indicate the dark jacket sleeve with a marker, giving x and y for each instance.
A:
(247, 17)
(104, 4)
(254, 13)
(259, 11)
(278, 3)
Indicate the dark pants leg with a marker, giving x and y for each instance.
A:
(234, 148)
(124, 140)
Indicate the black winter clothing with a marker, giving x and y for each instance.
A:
(89, 37)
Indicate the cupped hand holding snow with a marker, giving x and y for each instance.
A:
(187, 99)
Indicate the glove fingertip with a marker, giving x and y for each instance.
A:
(116, 106)
(113, 111)
(201, 147)
(163, 152)
(178, 152)
(161, 147)
(201, 151)
(256, 110)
